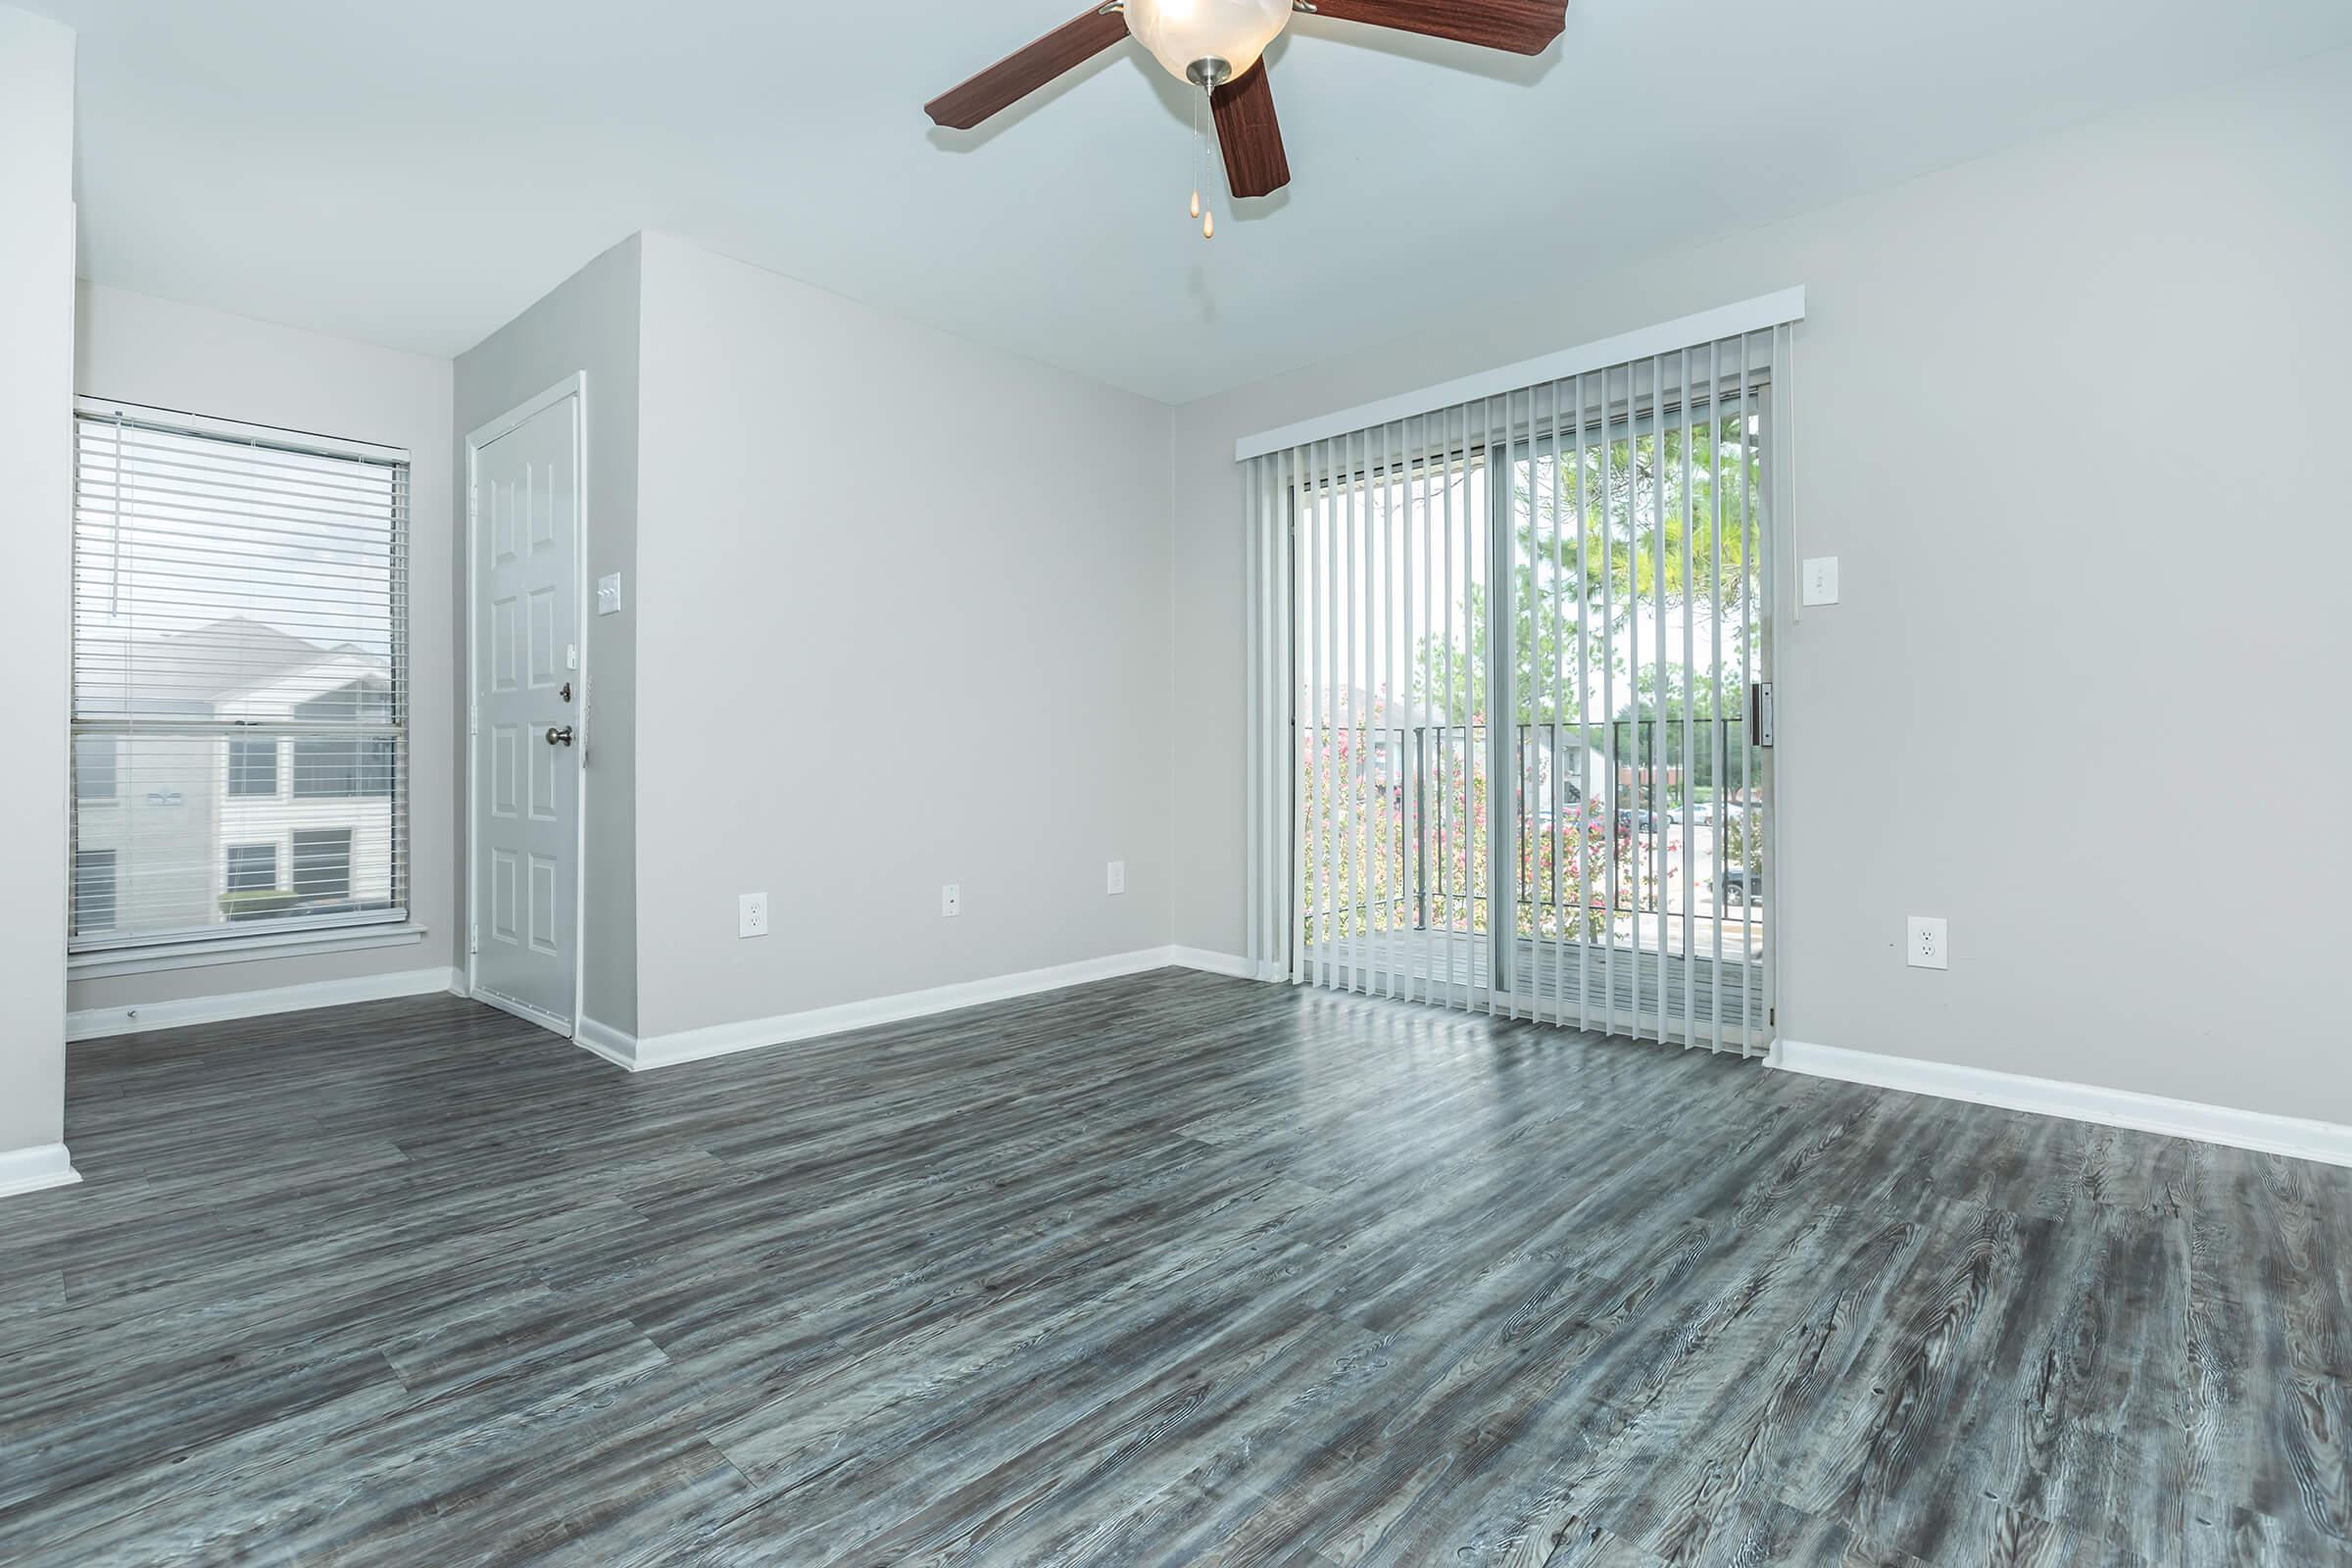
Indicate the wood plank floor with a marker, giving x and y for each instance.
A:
(1173, 1269)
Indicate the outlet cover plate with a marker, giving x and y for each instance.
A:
(750, 914)
(1115, 881)
(1928, 942)
(951, 901)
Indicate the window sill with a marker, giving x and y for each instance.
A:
(237, 949)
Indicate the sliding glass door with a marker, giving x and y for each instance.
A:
(1635, 650)
(1526, 647)
(1394, 758)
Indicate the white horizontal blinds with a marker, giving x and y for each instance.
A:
(240, 701)
(1525, 629)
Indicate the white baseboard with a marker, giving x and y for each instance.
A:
(615, 1046)
(2264, 1131)
(1213, 962)
(29, 1170)
(642, 1054)
(97, 1023)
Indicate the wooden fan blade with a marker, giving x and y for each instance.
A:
(1522, 26)
(1020, 73)
(1254, 162)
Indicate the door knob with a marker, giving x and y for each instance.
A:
(559, 736)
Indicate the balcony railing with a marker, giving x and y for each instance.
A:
(1649, 848)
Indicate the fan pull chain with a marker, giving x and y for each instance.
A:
(1200, 209)
(1195, 157)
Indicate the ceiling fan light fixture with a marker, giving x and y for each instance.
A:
(1181, 33)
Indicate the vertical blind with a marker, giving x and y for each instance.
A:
(1507, 662)
(240, 681)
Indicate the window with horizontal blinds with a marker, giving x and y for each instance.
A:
(1507, 656)
(240, 681)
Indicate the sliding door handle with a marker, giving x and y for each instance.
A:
(1759, 714)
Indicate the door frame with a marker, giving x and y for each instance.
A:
(574, 387)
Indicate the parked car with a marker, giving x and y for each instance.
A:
(1738, 887)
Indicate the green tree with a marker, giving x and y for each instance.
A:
(1632, 526)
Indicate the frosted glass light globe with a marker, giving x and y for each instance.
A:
(1181, 31)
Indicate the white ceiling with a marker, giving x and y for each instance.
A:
(415, 174)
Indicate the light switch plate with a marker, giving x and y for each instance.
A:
(751, 915)
(1821, 580)
(608, 595)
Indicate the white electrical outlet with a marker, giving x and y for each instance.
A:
(751, 915)
(1928, 943)
(1116, 881)
(1821, 580)
(951, 902)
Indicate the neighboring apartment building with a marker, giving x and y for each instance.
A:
(297, 818)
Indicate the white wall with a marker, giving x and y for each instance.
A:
(589, 323)
(2072, 415)
(138, 349)
(905, 602)
(36, 380)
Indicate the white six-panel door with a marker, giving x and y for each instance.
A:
(527, 702)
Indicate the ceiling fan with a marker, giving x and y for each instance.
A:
(1216, 45)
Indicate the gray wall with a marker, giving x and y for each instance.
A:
(36, 382)
(905, 602)
(139, 349)
(2073, 416)
(589, 323)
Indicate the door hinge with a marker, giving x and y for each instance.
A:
(1759, 712)
(473, 718)
(474, 939)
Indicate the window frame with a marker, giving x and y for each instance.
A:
(111, 950)
(297, 869)
(231, 869)
(245, 772)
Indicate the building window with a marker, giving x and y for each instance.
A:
(342, 769)
(240, 679)
(251, 768)
(94, 770)
(93, 891)
(252, 868)
(322, 866)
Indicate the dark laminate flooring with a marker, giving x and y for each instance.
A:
(1169, 1270)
